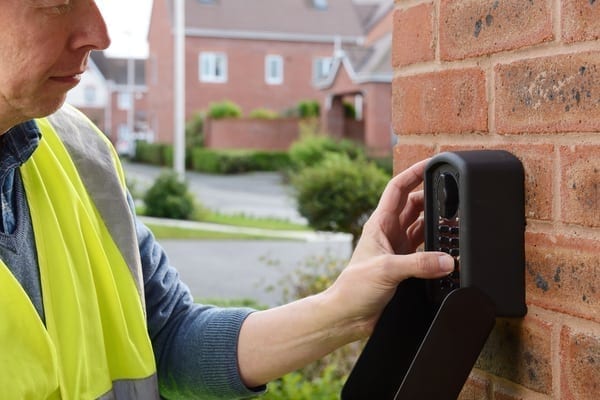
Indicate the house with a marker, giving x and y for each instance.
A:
(112, 93)
(361, 74)
(91, 96)
(256, 53)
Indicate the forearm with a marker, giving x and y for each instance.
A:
(283, 339)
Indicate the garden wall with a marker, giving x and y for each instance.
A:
(522, 76)
(251, 133)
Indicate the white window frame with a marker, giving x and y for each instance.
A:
(212, 67)
(320, 4)
(319, 66)
(274, 63)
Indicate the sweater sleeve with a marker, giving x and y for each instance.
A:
(195, 345)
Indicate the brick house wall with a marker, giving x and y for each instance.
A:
(522, 76)
(245, 84)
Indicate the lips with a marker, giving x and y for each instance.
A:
(74, 78)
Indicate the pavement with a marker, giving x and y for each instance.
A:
(259, 270)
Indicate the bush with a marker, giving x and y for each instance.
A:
(313, 148)
(169, 197)
(296, 386)
(309, 109)
(339, 193)
(224, 109)
(263, 113)
(237, 161)
(149, 153)
(194, 131)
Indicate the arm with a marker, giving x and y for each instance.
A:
(282, 339)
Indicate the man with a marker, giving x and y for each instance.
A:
(90, 306)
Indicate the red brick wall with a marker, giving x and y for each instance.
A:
(245, 85)
(522, 76)
(247, 133)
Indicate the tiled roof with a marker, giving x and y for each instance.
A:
(284, 18)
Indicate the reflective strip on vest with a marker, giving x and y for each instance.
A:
(95, 343)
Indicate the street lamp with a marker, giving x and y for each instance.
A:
(179, 89)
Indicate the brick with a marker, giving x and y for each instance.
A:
(413, 35)
(580, 20)
(580, 364)
(580, 186)
(406, 155)
(514, 392)
(444, 102)
(563, 274)
(473, 27)
(549, 94)
(476, 388)
(520, 350)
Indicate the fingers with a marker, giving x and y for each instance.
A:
(412, 209)
(396, 192)
(425, 265)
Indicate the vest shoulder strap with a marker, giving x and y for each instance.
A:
(101, 173)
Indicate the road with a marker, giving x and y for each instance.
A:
(234, 269)
(261, 194)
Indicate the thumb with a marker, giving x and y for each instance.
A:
(425, 265)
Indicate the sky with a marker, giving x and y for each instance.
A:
(127, 22)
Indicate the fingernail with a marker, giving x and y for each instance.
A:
(446, 263)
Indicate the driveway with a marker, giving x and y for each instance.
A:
(260, 194)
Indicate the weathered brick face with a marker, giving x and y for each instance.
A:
(551, 94)
(522, 76)
(474, 27)
(449, 101)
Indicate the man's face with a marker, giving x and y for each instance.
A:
(44, 48)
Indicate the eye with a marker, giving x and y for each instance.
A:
(59, 10)
(55, 7)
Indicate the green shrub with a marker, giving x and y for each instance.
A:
(263, 113)
(295, 386)
(224, 109)
(313, 148)
(349, 110)
(237, 161)
(309, 109)
(194, 131)
(169, 197)
(339, 193)
(149, 153)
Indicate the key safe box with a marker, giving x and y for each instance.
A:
(432, 331)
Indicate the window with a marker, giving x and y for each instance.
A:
(320, 4)
(90, 95)
(274, 70)
(213, 67)
(124, 101)
(321, 68)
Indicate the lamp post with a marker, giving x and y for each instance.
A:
(179, 89)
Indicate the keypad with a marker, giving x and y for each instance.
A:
(448, 242)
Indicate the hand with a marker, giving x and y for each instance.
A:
(385, 254)
(309, 328)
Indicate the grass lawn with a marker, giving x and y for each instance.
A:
(238, 220)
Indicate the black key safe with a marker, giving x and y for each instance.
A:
(431, 333)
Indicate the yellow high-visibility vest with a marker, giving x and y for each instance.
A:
(94, 343)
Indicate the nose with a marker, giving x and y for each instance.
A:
(90, 29)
